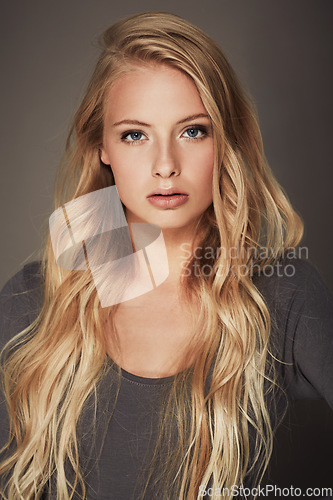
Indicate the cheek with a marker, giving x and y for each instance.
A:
(122, 169)
(203, 171)
(127, 181)
(203, 157)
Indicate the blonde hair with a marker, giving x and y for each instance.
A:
(223, 394)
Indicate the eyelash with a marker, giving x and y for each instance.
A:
(200, 128)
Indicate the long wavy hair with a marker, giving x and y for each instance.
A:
(55, 365)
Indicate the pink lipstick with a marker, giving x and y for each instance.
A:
(168, 198)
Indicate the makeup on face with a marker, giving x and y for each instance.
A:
(158, 141)
(168, 198)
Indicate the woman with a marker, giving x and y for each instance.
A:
(173, 392)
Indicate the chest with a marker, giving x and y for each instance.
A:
(150, 337)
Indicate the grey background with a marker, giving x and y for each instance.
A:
(282, 52)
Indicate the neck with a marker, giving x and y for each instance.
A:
(178, 247)
(178, 243)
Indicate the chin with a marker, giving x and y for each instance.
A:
(166, 220)
(176, 225)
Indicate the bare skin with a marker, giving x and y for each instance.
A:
(154, 330)
(152, 341)
(164, 141)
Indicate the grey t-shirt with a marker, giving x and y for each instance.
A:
(113, 455)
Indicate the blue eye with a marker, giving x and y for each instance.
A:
(132, 136)
(192, 132)
(195, 133)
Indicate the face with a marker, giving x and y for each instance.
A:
(158, 141)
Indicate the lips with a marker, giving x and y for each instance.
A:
(168, 197)
(167, 192)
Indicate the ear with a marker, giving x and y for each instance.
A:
(104, 157)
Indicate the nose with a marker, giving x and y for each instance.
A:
(166, 162)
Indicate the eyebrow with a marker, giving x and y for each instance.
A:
(142, 124)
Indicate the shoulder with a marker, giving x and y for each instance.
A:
(301, 308)
(20, 301)
(292, 284)
(289, 275)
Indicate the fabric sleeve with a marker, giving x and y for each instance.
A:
(20, 303)
(312, 322)
(301, 307)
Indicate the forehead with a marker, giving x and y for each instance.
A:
(145, 89)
